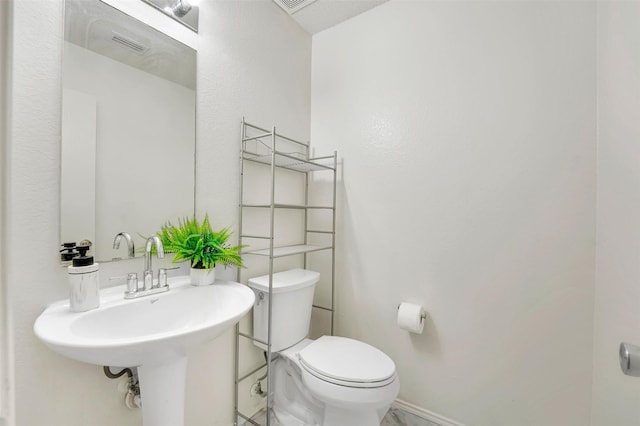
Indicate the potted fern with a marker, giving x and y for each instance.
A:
(201, 246)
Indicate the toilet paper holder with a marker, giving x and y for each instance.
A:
(629, 359)
(423, 316)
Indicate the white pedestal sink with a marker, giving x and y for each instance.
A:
(154, 333)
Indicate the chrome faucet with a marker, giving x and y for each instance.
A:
(148, 271)
(131, 250)
(134, 290)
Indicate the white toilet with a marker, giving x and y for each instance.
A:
(331, 381)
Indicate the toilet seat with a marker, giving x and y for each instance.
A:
(347, 362)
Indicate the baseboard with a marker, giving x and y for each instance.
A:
(425, 414)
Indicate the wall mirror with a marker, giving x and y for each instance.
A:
(128, 128)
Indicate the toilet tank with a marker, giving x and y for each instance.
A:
(292, 293)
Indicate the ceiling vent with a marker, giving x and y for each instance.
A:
(292, 6)
(130, 43)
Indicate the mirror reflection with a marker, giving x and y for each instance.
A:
(128, 128)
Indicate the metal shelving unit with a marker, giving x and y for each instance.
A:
(270, 149)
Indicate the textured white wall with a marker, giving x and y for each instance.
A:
(467, 133)
(4, 315)
(252, 60)
(616, 398)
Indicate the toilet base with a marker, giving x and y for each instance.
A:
(283, 418)
(331, 418)
(335, 416)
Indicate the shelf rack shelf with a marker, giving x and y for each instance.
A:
(286, 206)
(288, 250)
(286, 161)
(276, 151)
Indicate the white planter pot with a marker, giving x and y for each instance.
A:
(203, 276)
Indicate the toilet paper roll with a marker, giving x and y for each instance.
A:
(411, 317)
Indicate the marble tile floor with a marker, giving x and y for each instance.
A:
(394, 417)
(397, 417)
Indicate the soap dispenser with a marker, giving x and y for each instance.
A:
(84, 282)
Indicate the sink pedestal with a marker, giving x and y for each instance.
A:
(162, 390)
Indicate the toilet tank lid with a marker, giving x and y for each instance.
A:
(292, 279)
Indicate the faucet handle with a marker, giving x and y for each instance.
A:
(147, 280)
(162, 276)
(132, 282)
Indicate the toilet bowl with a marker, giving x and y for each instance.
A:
(352, 382)
(330, 381)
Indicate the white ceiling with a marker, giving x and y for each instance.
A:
(322, 14)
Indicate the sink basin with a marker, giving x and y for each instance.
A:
(154, 333)
(128, 333)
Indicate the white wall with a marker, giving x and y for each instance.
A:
(256, 62)
(4, 315)
(616, 398)
(252, 61)
(467, 133)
